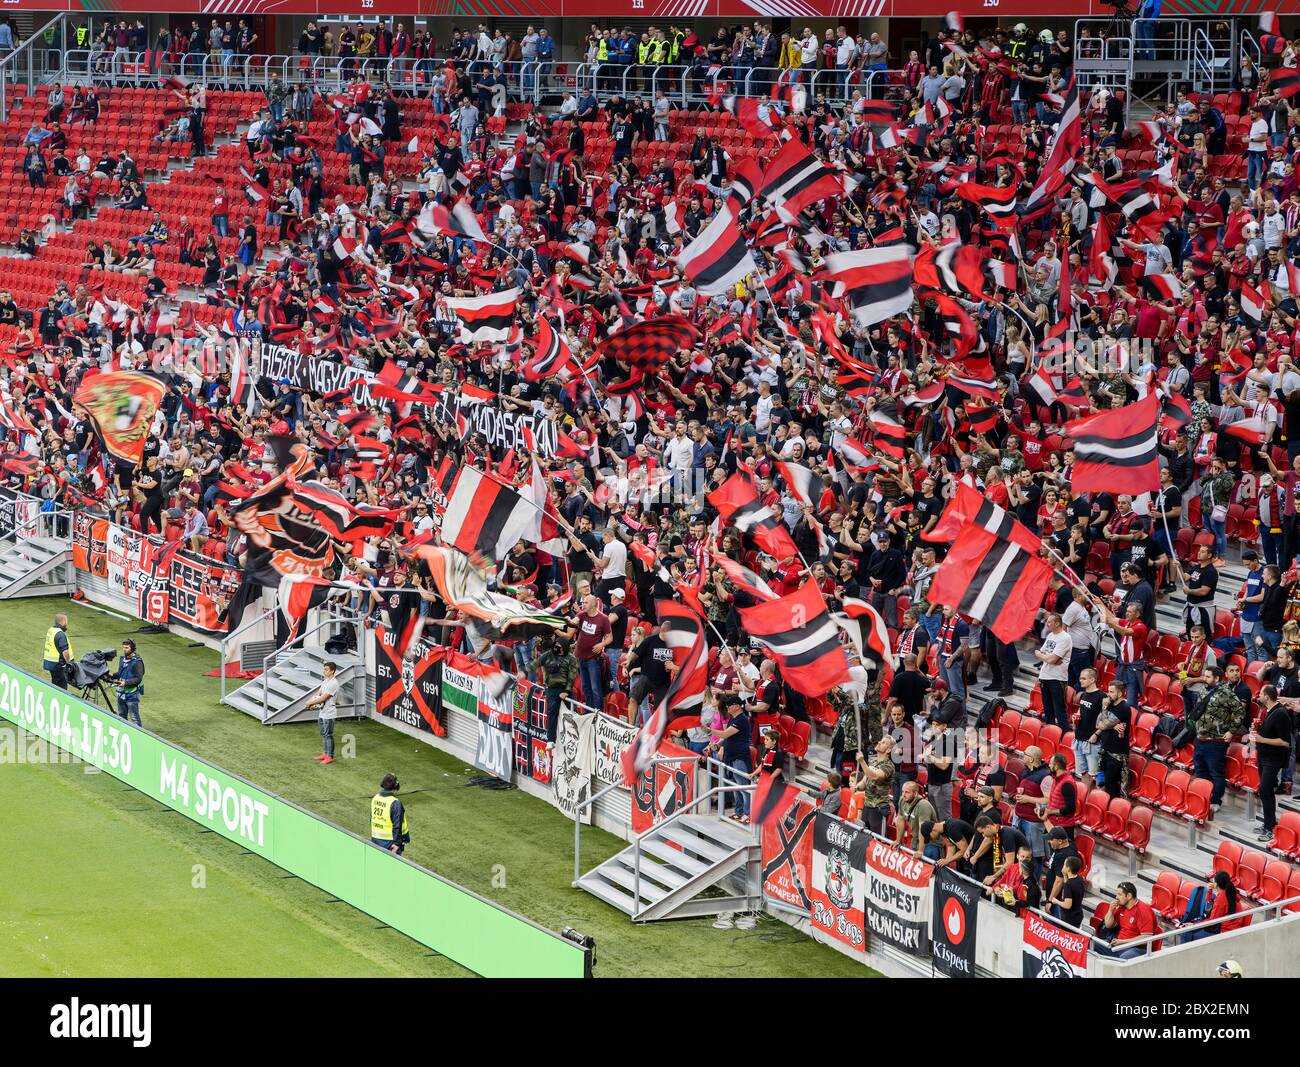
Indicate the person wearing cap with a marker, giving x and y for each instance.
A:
(1272, 517)
(1060, 848)
(618, 619)
(1230, 969)
(1251, 596)
(389, 827)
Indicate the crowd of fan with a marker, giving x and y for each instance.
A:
(633, 494)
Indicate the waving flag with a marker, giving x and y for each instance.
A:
(876, 283)
(869, 635)
(683, 632)
(739, 506)
(486, 318)
(743, 578)
(121, 407)
(996, 581)
(796, 178)
(551, 355)
(954, 268)
(969, 506)
(644, 347)
(485, 516)
(1063, 154)
(798, 632)
(719, 258)
(804, 485)
(1115, 451)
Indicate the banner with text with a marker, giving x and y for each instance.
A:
(898, 896)
(838, 876)
(409, 690)
(1052, 951)
(476, 933)
(787, 855)
(956, 915)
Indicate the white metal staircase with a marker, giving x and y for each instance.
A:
(292, 676)
(663, 873)
(36, 566)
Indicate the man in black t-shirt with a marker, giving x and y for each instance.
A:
(1272, 752)
(954, 837)
(995, 848)
(1087, 753)
(1112, 734)
(1202, 580)
(1059, 849)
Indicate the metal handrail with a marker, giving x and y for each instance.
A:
(679, 813)
(26, 51)
(230, 637)
(1201, 45)
(1254, 51)
(1178, 931)
(346, 617)
(707, 761)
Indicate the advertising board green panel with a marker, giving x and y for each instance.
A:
(481, 936)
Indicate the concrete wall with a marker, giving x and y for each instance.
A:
(1269, 950)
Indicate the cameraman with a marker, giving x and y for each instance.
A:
(558, 668)
(130, 682)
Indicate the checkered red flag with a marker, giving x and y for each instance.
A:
(647, 346)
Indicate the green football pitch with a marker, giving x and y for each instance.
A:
(99, 880)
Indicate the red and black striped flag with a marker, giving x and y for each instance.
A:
(876, 283)
(738, 503)
(551, 355)
(867, 632)
(796, 178)
(804, 485)
(798, 632)
(682, 631)
(719, 258)
(954, 268)
(1115, 451)
(486, 318)
(1284, 82)
(994, 580)
(485, 516)
(743, 578)
(996, 200)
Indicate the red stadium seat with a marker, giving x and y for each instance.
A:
(1250, 871)
(1227, 858)
(1164, 895)
(1273, 881)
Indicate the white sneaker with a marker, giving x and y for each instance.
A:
(746, 922)
(723, 921)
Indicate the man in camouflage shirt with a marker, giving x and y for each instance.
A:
(874, 778)
(1216, 491)
(1220, 715)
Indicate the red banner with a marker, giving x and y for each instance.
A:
(663, 788)
(787, 855)
(532, 757)
(1052, 951)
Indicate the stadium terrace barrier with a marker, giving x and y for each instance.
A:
(481, 936)
(1271, 946)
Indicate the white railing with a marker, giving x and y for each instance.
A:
(523, 81)
(32, 60)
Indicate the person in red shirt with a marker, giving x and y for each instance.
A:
(1130, 662)
(1131, 920)
(996, 488)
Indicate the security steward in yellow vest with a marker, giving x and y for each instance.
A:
(58, 652)
(386, 813)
